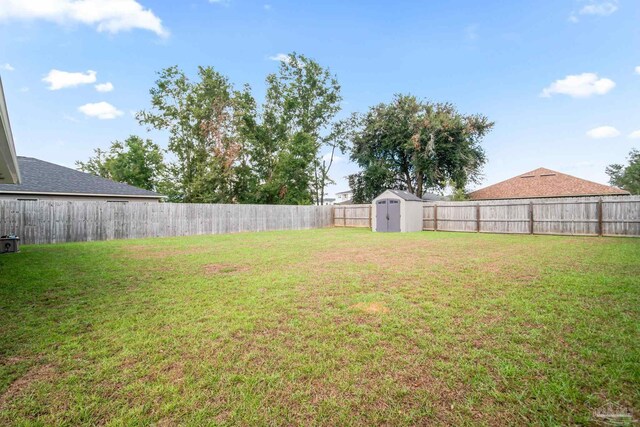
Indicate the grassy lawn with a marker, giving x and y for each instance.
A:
(332, 327)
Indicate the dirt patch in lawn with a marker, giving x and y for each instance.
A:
(13, 360)
(38, 373)
(371, 307)
(218, 269)
(397, 257)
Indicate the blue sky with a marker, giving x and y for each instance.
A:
(559, 78)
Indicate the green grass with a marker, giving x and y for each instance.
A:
(331, 327)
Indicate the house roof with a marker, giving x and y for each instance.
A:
(406, 195)
(40, 177)
(430, 197)
(543, 182)
(345, 202)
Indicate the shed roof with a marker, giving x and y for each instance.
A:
(544, 182)
(40, 177)
(405, 195)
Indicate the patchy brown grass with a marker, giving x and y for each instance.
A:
(216, 269)
(147, 252)
(371, 307)
(320, 327)
(38, 373)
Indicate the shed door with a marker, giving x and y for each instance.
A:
(381, 215)
(393, 215)
(388, 215)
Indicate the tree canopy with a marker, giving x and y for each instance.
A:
(225, 147)
(202, 119)
(626, 177)
(135, 161)
(415, 145)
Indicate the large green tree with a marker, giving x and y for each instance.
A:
(202, 118)
(626, 177)
(135, 161)
(301, 103)
(416, 146)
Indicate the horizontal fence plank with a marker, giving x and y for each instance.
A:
(53, 221)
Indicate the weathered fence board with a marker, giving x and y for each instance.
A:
(352, 215)
(48, 221)
(590, 216)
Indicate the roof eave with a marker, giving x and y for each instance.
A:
(150, 196)
(549, 197)
(8, 158)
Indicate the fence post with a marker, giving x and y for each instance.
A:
(370, 215)
(344, 216)
(530, 217)
(477, 218)
(435, 217)
(333, 216)
(599, 210)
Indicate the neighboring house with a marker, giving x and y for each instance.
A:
(344, 197)
(432, 197)
(328, 201)
(9, 170)
(544, 183)
(47, 181)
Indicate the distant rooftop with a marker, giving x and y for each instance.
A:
(544, 182)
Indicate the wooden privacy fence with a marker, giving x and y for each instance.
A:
(589, 216)
(352, 215)
(61, 221)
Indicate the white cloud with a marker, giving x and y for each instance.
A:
(106, 15)
(282, 57)
(7, 67)
(594, 7)
(637, 69)
(61, 79)
(635, 134)
(602, 8)
(104, 87)
(579, 86)
(603, 132)
(101, 110)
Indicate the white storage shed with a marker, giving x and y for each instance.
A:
(396, 210)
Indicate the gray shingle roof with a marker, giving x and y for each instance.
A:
(406, 195)
(43, 177)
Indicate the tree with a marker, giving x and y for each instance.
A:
(626, 177)
(135, 161)
(415, 146)
(202, 119)
(303, 98)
